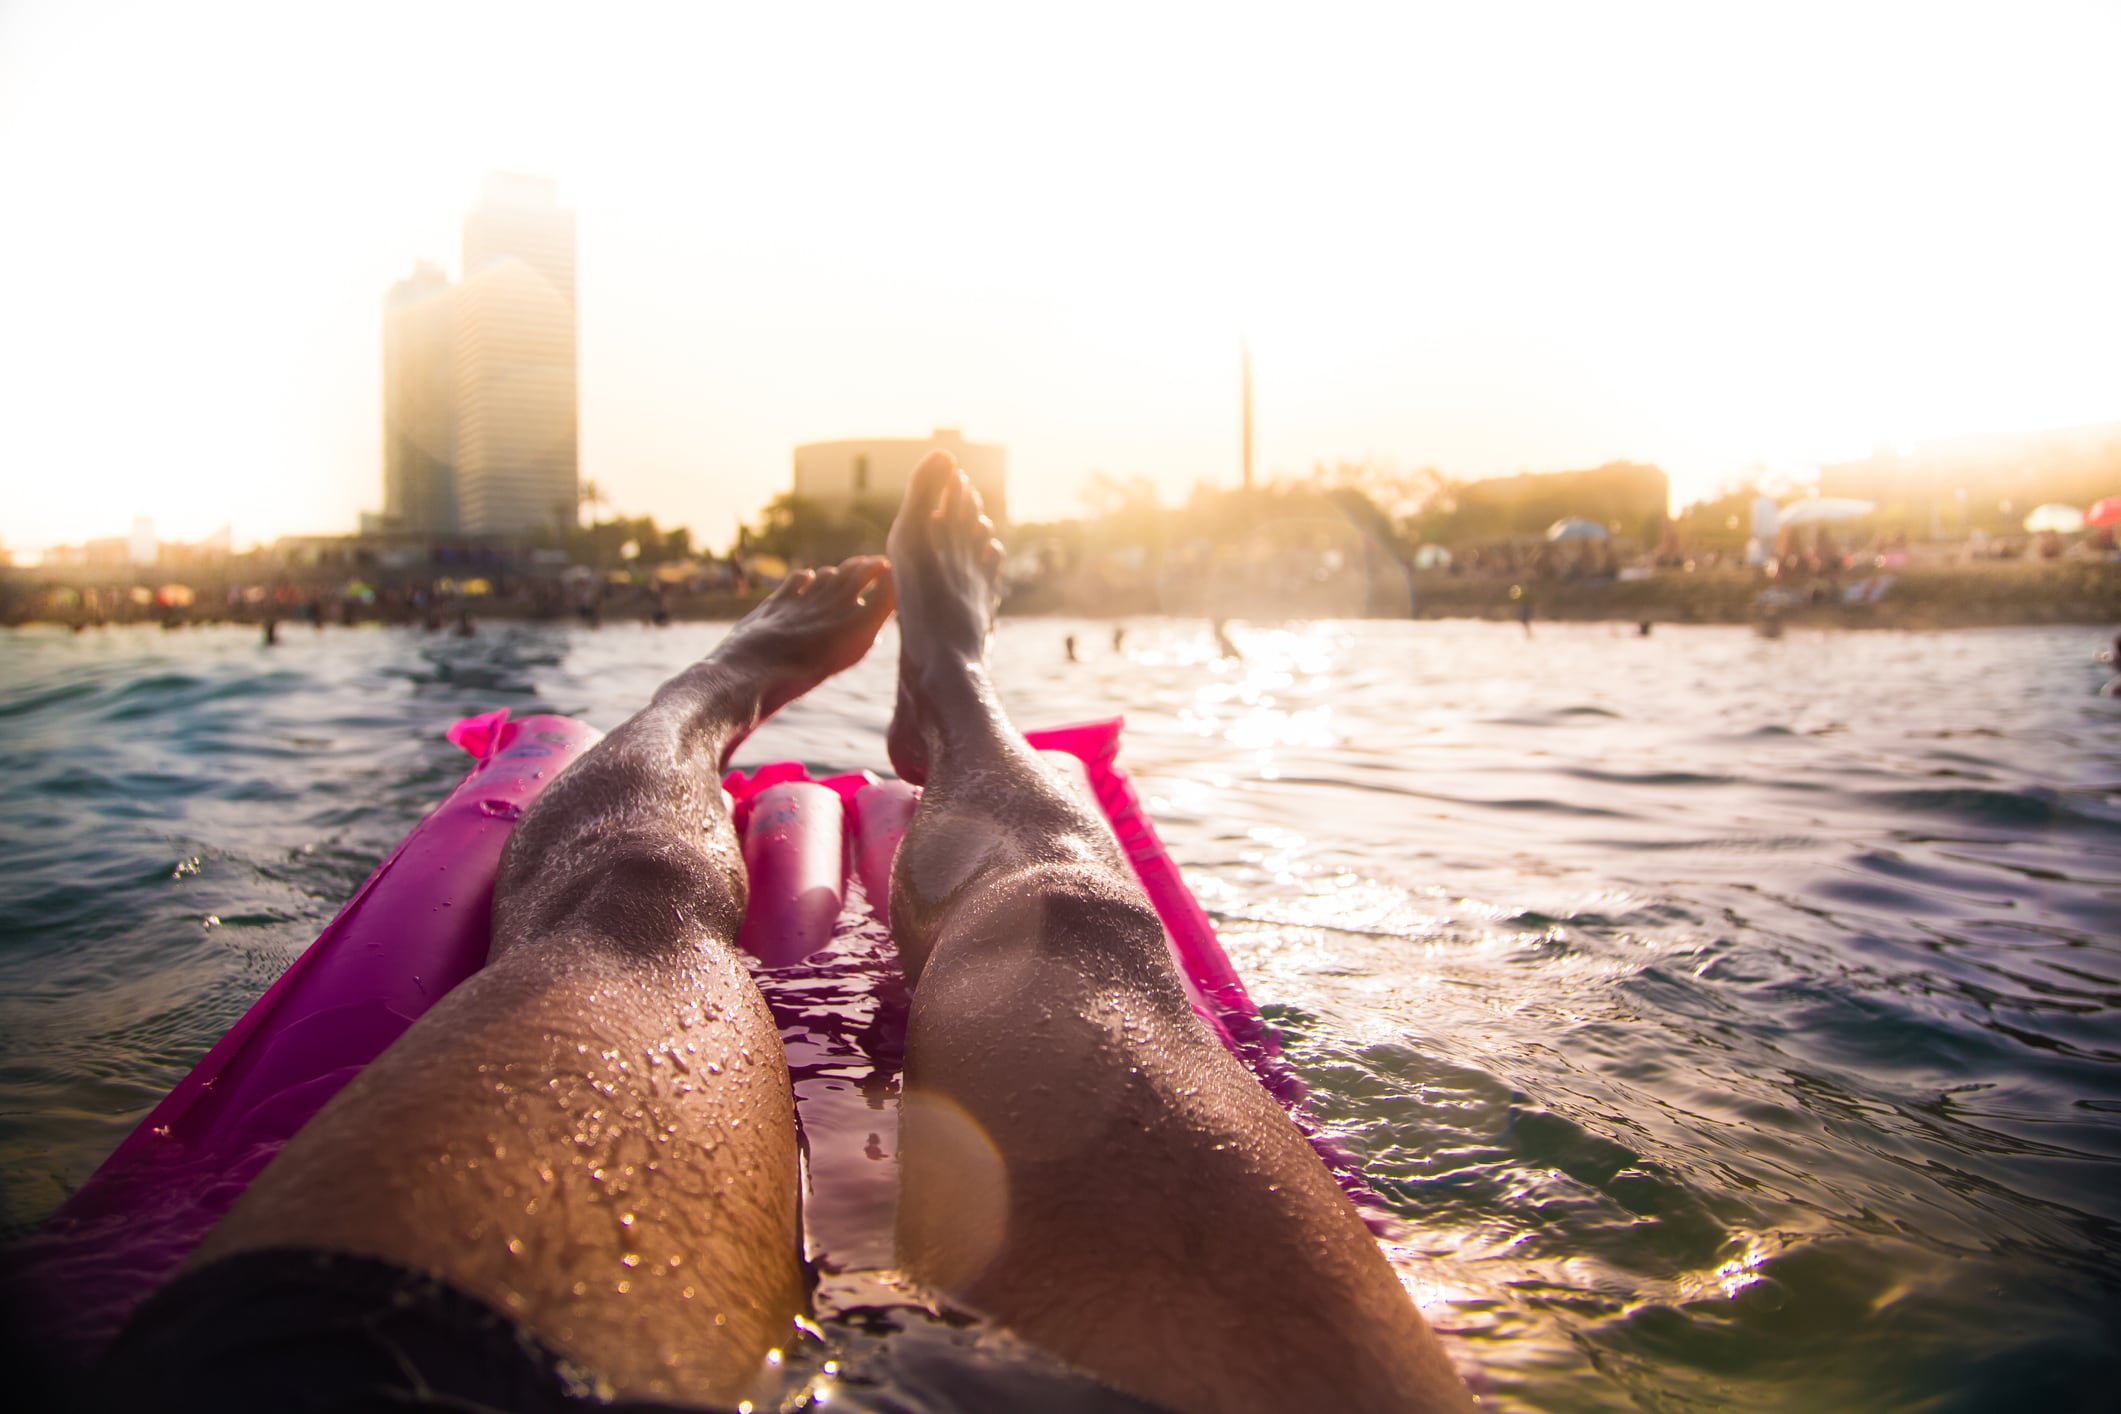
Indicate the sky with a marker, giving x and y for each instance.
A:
(1485, 238)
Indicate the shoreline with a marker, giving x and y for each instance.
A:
(2002, 594)
(1999, 595)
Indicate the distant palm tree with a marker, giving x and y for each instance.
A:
(592, 496)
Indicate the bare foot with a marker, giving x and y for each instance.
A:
(819, 622)
(944, 560)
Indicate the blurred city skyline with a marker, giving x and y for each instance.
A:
(1522, 239)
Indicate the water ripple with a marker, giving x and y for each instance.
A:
(1740, 1029)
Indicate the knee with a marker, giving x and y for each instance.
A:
(1076, 921)
(637, 892)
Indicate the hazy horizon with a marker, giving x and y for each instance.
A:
(1515, 240)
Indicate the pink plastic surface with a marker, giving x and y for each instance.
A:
(420, 925)
(845, 1069)
(881, 814)
(795, 857)
(1219, 993)
(415, 929)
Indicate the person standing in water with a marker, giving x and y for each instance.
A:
(576, 1177)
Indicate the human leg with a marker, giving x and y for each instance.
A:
(595, 1134)
(1081, 1159)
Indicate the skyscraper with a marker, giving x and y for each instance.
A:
(419, 404)
(516, 440)
(479, 422)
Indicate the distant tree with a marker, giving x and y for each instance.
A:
(803, 531)
(1720, 522)
(590, 496)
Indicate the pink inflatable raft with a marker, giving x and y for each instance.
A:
(819, 857)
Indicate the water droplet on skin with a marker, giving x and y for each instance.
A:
(515, 1246)
(580, 1288)
(625, 1220)
(624, 1287)
(631, 1259)
(720, 1319)
(501, 809)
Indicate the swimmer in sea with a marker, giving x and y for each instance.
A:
(575, 1178)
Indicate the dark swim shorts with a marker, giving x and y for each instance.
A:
(296, 1331)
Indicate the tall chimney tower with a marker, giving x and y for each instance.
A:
(1245, 353)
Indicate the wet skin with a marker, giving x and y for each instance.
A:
(595, 1134)
(1080, 1159)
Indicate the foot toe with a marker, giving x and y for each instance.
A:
(932, 483)
(967, 507)
(856, 575)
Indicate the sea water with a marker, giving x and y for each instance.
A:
(1731, 1023)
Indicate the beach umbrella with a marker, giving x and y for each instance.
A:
(2104, 512)
(2054, 516)
(1821, 509)
(1576, 528)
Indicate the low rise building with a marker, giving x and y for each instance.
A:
(837, 476)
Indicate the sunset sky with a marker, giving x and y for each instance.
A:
(1487, 238)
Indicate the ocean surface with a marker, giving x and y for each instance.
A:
(1733, 1023)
